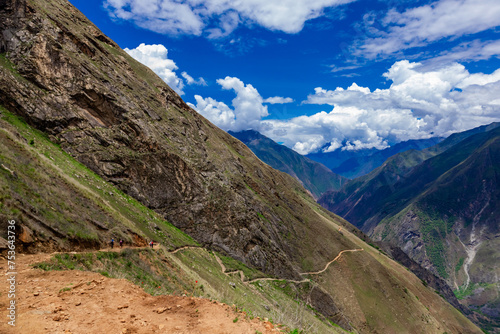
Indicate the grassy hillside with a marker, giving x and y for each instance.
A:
(62, 205)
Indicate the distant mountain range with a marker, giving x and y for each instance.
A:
(314, 176)
(353, 164)
(361, 165)
(441, 206)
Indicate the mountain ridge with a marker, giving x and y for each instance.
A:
(314, 176)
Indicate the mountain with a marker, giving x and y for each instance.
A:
(441, 209)
(361, 165)
(335, 158)
(95, 146)
(314, 176)
(356, 163)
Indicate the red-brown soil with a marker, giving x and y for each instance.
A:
(84, 302)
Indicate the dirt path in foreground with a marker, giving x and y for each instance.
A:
(77, 302)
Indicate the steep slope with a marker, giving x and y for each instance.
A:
(65, 78)
(60, 205)
(443, 213)
(314, 176)
(360, 200)
(51, 221)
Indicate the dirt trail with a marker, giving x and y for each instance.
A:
(84, 302)
(242, 275)
(329, 263)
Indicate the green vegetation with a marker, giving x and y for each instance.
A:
(459, 265)
(434, 231)
(462, 292)
(142, 267)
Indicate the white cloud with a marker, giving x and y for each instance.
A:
(346, 127)
(217, 112)
(156, 58)
(473, 50)
(191, 81)
(218, 17)
(248, 107)
(420, 26)
(278, 100)
(420, 103)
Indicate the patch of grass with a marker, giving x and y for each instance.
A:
(141, 267)
(459, 265)
(65, 180)
(434, 231)
(232, 265)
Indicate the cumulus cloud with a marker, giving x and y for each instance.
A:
(191, 81)
(217, 112)
(420, 103)
(248, 107)
(278, 100)
(345, 127)
(218, 18)
(422, 25)
(156, 58)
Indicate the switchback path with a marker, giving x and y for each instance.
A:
(329, 263)
(244, 281)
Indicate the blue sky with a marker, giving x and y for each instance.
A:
(323, 74)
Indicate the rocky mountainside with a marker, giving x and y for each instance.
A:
(442, 211)
(75, 89)
(314, 176)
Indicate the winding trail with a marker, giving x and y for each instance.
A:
(243, 278)
(329, 263)
(182, 248)
(244, 281)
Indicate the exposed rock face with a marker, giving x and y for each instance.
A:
(74, 83)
